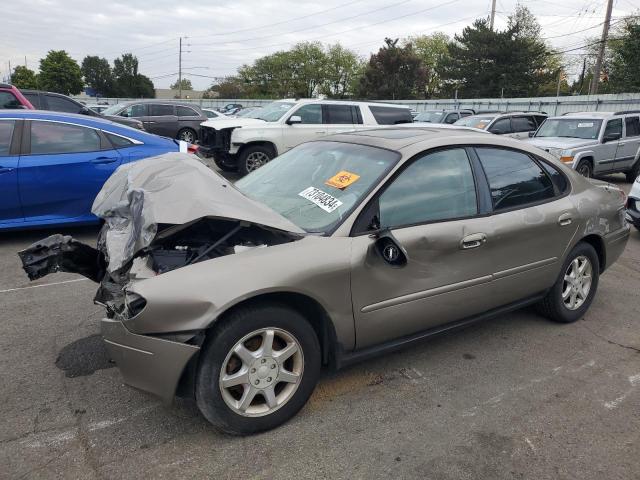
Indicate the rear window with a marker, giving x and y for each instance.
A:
(391, 115)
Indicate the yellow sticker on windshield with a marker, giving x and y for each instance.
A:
(342, 179)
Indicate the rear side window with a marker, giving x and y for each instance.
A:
(118, 141)
(6, 132)
(558, 179)
(61, 104)
(514, 178)
(186, 112)
(391, 115)
(156, 110)
(633, 126)
(523, 124)
(52, 137)
(342, 114)
(34, 99)
(8, 100)
(438, 186)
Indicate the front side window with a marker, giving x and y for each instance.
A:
(186, 112)
(633, 126)
(438, 186)
(318, 184)
(6, 133)
(514, 178)
(52, 137)
(391, 115)
(310, 114)
(159, 110)
(61, 104)
(523, 124)
(501, 127)
(8, 100)
(341, 114)
(451, 118)
(614, 127)
(475, 121)
(274, 111)
(429, 117)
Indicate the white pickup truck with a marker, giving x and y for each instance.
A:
(244, 144)
(594, 143)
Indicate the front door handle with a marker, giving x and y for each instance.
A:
(474, 240)
(5, 170)
(103, 160)
(565, 219)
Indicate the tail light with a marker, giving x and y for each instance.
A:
(192, 149)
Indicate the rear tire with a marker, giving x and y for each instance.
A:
(632, 174)
(585, 169)
(557, 304)
(254, 157)
(187, 135)
(248, 390)
(224, 166)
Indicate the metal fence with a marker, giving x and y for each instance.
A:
(550, 105)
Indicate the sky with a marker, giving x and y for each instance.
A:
(219, 36)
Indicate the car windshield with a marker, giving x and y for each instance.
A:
(431, 117)
(475, 121)
(250, 113)
(274, 111)
(570, 128)
(114, 109)
(316, 185)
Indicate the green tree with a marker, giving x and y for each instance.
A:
(128, 82)
(60, 73)
(433, 50)
(393, 73)
(97, 74)
(230, 87)
(624, 71)
(341, 73)
(186, 85)
(23, 77)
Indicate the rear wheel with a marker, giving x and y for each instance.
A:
(254, 157)
(187, 135)
(585, 169)
(257, 369)
(225, 167)
(572, 294)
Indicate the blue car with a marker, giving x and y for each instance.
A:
(52, 165)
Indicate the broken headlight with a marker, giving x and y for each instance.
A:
(134, 304)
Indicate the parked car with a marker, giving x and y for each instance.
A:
(230, 108)
(512, 124)
(11, 97)
(172, 119)
(339, 249)
(442, 116)
(52, 165)
(213, 114)
(594, 143)
(284, 124)
(97, 108)
(249, 112)
(633, 204)
(57, 102)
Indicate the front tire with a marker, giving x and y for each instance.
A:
(257, 369)
(572, 294)
(585, 169)
(254, 157)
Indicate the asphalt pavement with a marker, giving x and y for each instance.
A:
(516, 397)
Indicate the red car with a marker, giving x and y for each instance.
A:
(10, 97)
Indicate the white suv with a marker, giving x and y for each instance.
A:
(245, 144)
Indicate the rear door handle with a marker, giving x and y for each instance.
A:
(103, 160)
(565, 219)
(474, 240)
(5, 170)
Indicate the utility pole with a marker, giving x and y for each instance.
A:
(9, 72)
(180, 70)
(493, 14)
(584, 68)
(603, 43)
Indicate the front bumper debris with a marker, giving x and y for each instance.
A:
(151, 364)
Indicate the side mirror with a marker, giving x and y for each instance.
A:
(532, 134)
(390, 249)
(293, 119)
(611, 137)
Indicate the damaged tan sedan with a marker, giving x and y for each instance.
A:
(339, 249)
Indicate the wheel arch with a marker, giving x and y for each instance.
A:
(259, 143)
(598, 245)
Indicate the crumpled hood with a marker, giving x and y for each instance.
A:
(232, 123)
(173, 188)
(560, 142)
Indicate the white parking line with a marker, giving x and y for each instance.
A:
(43, 285)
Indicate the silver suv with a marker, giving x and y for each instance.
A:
(511, 124)
(594, 143)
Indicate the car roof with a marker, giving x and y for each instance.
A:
(344, 102)
(86, 120)
(588, 114)
(397, 138)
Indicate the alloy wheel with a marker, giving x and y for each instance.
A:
(577, 282)
(255, 160)
(261, 372)
(187, 136)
